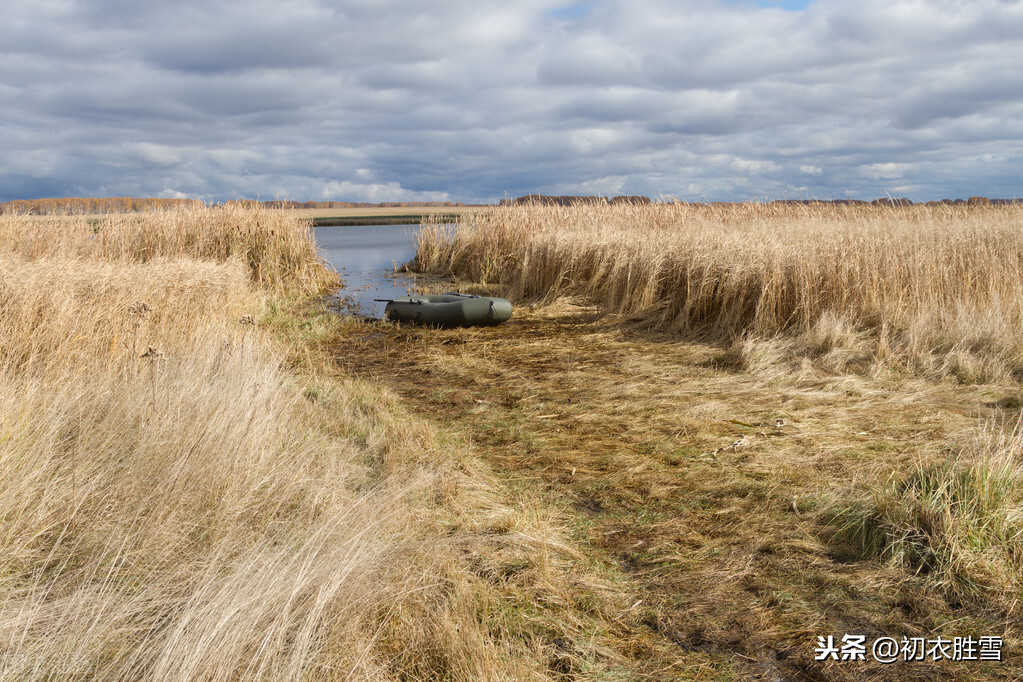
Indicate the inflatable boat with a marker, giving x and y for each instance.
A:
(448, 310)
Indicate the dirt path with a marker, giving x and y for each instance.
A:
(693, 483)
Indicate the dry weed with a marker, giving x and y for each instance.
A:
(938, 290)
(176, 505)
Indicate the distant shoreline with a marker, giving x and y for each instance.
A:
(397, 213)
(384, 215)
(406, 219)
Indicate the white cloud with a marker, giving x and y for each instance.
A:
(753, 166)
(877, 171)
(394, 99)
(377, 192)
(172, 194)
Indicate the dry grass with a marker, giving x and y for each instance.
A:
(276, 244)
(936, 289)
(157, 477)
(195, 486)
(703, 493)
(872, 336)
(176, 504)
(957, 520)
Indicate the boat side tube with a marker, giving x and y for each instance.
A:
(449, 310)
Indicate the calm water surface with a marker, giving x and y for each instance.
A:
(365, 256)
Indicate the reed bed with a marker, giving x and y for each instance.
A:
(156, 477)
(276, 244)
(176, 505)
(940, 289)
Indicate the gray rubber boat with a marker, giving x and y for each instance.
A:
(448, 310)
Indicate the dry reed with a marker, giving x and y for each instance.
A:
(276, 244)
(148, 495)
(175, 506)
(938, 288)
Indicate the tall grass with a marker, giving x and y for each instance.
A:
(159, 474)
(959, 521)
(173, 505)
(276, 244)
(940, 288)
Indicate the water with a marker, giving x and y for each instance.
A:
(365, 256)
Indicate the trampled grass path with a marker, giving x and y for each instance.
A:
(697, 488)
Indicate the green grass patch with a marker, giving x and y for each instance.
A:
(958, 521)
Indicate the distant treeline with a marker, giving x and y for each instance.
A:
(888, 201)
(362, 204)
(81, 205)
(572, 200)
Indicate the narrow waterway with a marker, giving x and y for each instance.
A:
(367, 257)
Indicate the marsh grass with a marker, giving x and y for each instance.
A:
(275, 244)
(957, 520)
(702, 490)
(158, 473)
(178, 503)
(936, 290)
(884, 326)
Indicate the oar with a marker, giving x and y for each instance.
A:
(392, 300)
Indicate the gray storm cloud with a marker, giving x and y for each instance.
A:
(401, 100)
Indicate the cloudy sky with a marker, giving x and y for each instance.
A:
(383, 100)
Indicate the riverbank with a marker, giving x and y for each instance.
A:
(801, 421)
(385, 215)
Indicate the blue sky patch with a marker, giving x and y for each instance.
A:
(573, 12)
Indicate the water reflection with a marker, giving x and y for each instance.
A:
(366, 257)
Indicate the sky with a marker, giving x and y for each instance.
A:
(448, 100)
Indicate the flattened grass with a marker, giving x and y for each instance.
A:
(865, 342)
(697, 487)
